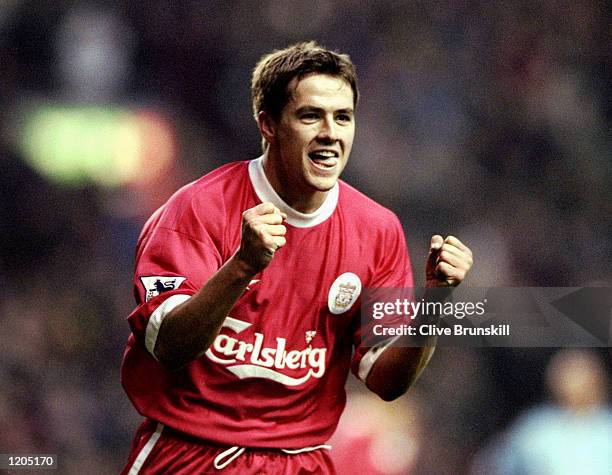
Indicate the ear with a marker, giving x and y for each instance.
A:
(267, 126)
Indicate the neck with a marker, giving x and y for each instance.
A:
(303, 200)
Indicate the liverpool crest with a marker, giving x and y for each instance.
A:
(343, 293)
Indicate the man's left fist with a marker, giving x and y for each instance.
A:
(448, 262)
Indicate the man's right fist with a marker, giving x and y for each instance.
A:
(263, 233)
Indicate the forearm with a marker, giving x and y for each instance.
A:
(398, 368)
(190, 328)
(401, 364)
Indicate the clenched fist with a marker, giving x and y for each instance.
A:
(263, 233)
(448, 262)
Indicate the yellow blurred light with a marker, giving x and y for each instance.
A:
(110, 146)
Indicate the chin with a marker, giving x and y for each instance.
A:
(323, 185)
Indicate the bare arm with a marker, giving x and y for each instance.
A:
(397, 369)
(190, 328)
(400, 365)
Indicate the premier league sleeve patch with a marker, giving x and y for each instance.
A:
(155, 285)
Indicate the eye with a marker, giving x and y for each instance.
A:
(344, 118)
(309, 116)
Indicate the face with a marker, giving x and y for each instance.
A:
(312, 138)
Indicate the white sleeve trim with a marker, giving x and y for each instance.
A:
(157, 317)
(368, 360)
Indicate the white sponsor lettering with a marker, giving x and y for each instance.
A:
(253, 282)
(254, 360)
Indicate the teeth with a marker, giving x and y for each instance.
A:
(324, 153)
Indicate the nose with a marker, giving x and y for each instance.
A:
(329, 131)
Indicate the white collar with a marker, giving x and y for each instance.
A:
(265, 192)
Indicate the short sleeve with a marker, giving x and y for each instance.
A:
(171, 266)
(393, 270)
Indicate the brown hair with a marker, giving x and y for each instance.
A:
(276, 70)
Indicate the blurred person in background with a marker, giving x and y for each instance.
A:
(571, 434)
(378, 438)
(285, 247)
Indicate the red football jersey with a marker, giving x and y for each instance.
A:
(275, 374)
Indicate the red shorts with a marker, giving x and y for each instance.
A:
(157, 449)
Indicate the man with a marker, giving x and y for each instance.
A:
(570, 434)
(240, 363)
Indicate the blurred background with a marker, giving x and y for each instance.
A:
(487, 120)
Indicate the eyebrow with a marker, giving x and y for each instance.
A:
(303, 109)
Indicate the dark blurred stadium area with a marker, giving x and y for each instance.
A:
(488, 120)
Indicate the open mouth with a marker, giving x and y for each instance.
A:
(324, 159)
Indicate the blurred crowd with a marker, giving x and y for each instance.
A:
(488, 120)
